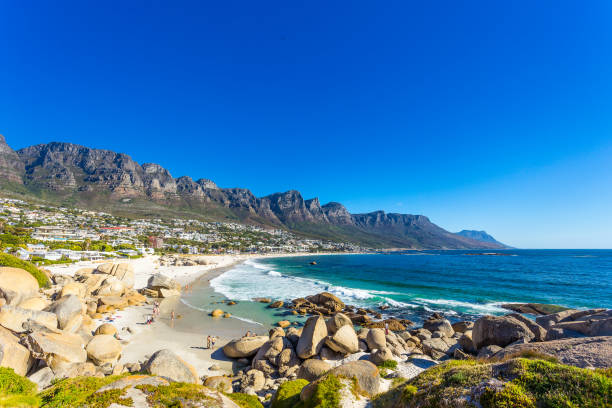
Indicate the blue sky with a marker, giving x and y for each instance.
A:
(484, 115)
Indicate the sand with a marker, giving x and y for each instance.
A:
(186, 334)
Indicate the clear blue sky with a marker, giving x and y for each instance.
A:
(480, 114)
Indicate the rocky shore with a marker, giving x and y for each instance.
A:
(57, 337)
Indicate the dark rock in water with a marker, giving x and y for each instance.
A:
(534, 308)
(313, 263)
(276, 305)
(393, 324)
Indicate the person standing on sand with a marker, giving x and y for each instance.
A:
(386, 328)
(213, 341)
(172, 316)
(208, 342)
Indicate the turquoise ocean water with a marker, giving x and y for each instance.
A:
(460, 284)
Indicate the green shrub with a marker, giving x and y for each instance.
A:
(174, 394)
(527, 384)
(288, 394)
(75, 392)
(15, 390)
(14, 262)
(245, 400)
(512, 396)
(558, 385)
(326, 395)
(390, 364)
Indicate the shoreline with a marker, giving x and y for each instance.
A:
(186, 335)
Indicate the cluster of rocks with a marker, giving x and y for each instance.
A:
(495, 335)
(50, 333)
(327, 304)
(330, 343)
(173, 260)
(313, 350)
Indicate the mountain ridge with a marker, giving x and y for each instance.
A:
(94, 178)
(481, 236)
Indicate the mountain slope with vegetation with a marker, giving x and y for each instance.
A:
(73, 175)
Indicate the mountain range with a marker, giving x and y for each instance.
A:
(70, 174)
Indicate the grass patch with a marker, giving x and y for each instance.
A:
(528, 354)
(288, 394)
(176, 394)
(390, 364)
(245, 400)
(528, 383)
(75, 392)
(326, 395)
(14, 262)
(16, 391)
(556, 385)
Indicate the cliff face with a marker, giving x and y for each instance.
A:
(11, 166)
(69, 169)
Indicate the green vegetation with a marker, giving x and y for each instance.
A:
(390, 364)
(15, 390)
(386, 365)
(288, 394)
(75, 392)
(326, 395)
(529, 383)
(245, 400)
(175, 394)
(14, 262)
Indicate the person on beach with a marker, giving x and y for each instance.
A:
(248, 334)
(208, 342)
(172, 316)
(213, 340)
(386, 328)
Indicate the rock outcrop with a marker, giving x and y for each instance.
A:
(165, 363)
(16, 285)
(499, 331)
(312, 338)
(244, 347)
(12, 354)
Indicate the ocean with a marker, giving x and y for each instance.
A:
(459, 284)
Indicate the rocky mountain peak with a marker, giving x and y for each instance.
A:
(11, 166)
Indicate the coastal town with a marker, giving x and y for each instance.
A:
(45, 234)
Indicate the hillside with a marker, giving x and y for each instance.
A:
(481, 236)
(73, 175)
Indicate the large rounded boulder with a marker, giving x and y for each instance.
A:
(66, 309)
(439, 325)
(365, 374)
(16, 285)
(312, 369)
(103, 349)
(344, 340)
(165, 363)
(313, 337)
(244, 347)
(499, 331)
(376, 339)
(13, 354)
